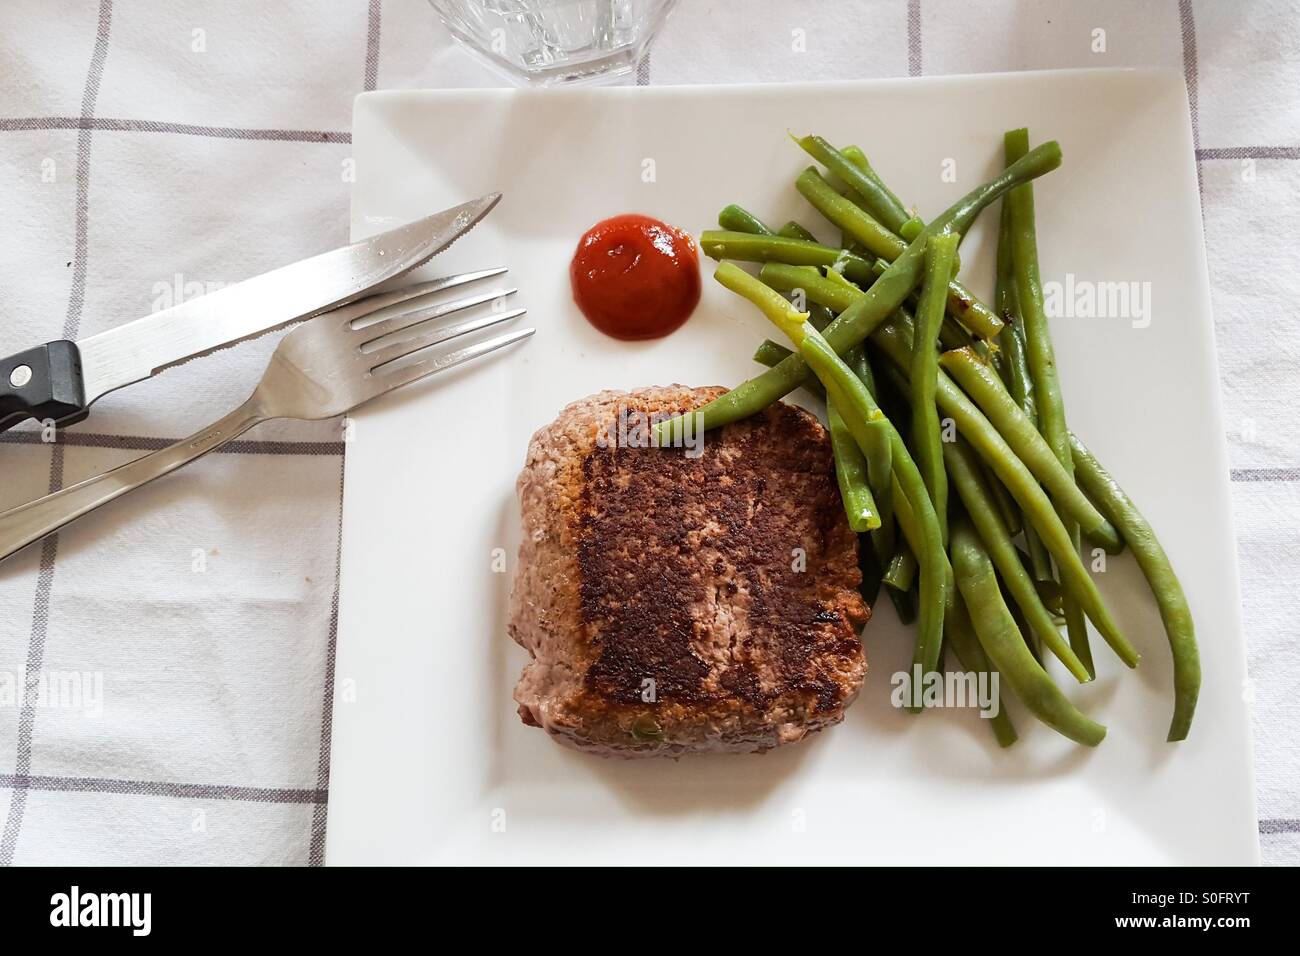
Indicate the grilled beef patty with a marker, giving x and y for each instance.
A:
(676, 604)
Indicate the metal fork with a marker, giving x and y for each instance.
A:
(327, 366)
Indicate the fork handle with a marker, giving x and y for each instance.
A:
(29, 523)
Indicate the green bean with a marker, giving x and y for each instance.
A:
(769, 353)
(819, 315)
(1001, 640)
(772, 304)
(856, 221)
(836, 296)
(734, 218)
(904, 605)
(963, 467)
(792, 230)
(926, 438)
(1006, 505)
(1040, 563)
(1018, 380)
(980, 382)
(1039, 353)
(879, 459)
(836, 277)
(879, 302)
(881, 242)
(953, 336)
(1050, 592)
(856, 359)
(922, 538)
(871, 572)
(1175, 613)
(1032, 640)
(895, 339)
(876, 197)
(1042, 360)
(879, 455)
(961, 636)
(911, 226)
(747, 247)
(1009, 362)
(901, 570)
(851, 474)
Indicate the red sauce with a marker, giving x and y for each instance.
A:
(635, 277)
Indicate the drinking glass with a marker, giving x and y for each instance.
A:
(556, 41)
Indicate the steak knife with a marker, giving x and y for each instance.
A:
(60, 380)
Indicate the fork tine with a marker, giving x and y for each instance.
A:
(406, 374)
(409, 346)
(375, 334)
(373, 303)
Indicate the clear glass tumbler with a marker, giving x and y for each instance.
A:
(556, 41)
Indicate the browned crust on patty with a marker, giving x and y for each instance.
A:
(674, 603)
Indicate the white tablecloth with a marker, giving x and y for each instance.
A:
(164, 664)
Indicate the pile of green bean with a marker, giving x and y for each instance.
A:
(952, 451)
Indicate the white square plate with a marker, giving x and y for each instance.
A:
(430, 762)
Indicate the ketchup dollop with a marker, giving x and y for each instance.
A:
(635, 277)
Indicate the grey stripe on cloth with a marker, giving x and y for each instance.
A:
(50, 547)
(158, 788)
(643, 71)
(72, 322)
(373, 16)
(1266, 474)
(1279, 826)
(320, 815)
(1191, 71)
(1250, 152)
(1192, 77)
(913, 37)
(108, 124)
(148, 443)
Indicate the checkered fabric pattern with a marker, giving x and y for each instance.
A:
(166, 664)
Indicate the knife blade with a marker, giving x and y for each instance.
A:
(60, 380)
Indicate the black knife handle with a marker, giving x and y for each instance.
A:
(43, 383)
